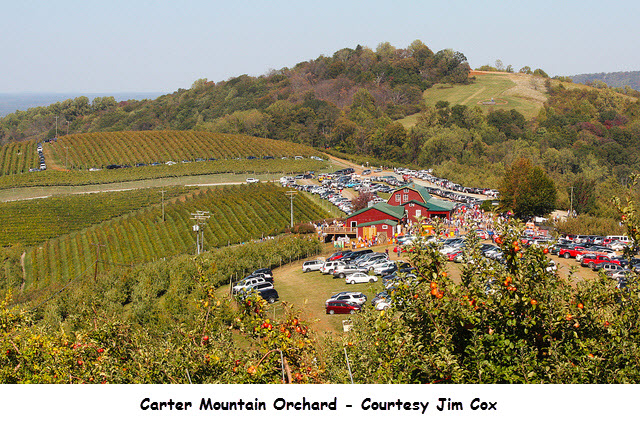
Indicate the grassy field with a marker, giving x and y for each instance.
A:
(524, 93)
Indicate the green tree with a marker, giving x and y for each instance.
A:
(584, 195)
(527, 190)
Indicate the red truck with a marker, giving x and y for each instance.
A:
(592, 260)
(572, 251)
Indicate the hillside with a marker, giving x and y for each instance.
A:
(313, 102)
(238, 214)
(612, 79)
(524, 93)
(89, 150)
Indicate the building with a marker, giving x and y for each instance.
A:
(418, 203)
(408, 203)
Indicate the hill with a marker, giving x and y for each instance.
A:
(490, 91)
(314, 102)
(612, 79)
(238, 214)
(89, 150)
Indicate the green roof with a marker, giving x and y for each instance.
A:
(383, 221)
(422, 190)
(394, 211)
(434, 205)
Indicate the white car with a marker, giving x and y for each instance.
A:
(353, 297)
(252, 180)
(361, 277)
(247, 284)
(328, 267)
(313, 265)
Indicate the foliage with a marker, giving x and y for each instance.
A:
(31, 222)
(516, 322)
(198, 342)
(238, 214)
(527, 191)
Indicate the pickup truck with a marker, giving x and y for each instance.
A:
(571, 251)
(592, 261)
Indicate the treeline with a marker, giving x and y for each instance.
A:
(630, 79)
(300, 104)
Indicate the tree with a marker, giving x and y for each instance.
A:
(527, 190)
(525, 70)
(362, 201)
(584, 195)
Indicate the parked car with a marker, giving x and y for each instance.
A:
(342, 307)
(247, 284)
(313, 265)
(353, 297)
(337, 256)
(341, 271)
(329, 266)
(361, 277)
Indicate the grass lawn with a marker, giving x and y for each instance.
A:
(521, 92)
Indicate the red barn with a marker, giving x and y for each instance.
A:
(381, 218)
(417, 202)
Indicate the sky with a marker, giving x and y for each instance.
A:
(160, 46)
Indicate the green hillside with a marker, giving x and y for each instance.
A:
(524, 93)
(30, 222)
(84, 151)
(238, 214)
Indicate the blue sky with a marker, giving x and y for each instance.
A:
(160, 46)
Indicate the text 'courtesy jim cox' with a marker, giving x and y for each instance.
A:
(440, 404)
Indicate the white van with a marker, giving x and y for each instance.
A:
(623, 239)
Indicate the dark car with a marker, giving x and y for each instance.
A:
(263, 271)
(270, 295)
(342, 307)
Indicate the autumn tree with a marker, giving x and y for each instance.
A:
(362, 201)
(527, 190)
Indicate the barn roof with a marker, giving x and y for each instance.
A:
(394, 211)
(383, 221)
(434, 205)
(422, 190)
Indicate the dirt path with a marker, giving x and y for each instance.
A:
(24, 271)
(465, 101)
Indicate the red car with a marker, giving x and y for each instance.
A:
(337, 256)
(342, 307)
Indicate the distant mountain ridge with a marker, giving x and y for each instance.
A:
(10, 102)
(612, 79)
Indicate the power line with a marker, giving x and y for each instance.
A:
(291, 194)
(200, 217)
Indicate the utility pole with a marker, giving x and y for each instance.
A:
(163, 192)
(56, 127)
(291, 194)
(95, 273)
(571, 207)
(200, 217)
(67, 127)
